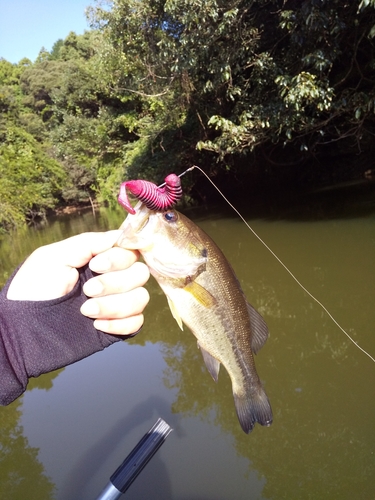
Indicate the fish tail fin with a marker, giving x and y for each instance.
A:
(252, 408)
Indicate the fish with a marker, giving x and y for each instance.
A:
(204, 294)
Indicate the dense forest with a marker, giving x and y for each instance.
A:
(258, 93)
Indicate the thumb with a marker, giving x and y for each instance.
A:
(50, 271)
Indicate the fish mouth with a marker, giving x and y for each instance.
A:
(131, 239)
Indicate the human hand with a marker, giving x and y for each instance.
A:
(118, 297)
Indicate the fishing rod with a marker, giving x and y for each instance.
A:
(135, 462)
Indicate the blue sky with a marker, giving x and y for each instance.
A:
(28, 25)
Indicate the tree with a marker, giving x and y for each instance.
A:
(55, 51)
(29, 179)
(292, 80)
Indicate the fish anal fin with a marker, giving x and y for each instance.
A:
(259, 329)
(175, 312)
(212, 364)
(202, 295)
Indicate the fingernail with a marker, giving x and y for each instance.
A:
(102, 325)
(100, 264)
(90, 308)
(93, 287)
(133, 334)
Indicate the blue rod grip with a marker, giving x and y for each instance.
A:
(135, 462)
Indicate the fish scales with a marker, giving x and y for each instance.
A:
(230, 296)
(204, 293)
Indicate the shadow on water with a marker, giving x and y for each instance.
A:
(91, 462)
(346, 201)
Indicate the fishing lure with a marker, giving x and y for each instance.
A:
(155, 198)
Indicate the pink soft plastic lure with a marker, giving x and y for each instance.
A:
(154, 197)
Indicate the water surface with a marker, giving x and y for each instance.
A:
(72, 428)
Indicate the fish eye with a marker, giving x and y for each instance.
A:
(170, 216)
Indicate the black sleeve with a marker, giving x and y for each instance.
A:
(40, 336)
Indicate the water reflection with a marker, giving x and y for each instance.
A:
(21, 473)
(320, 443)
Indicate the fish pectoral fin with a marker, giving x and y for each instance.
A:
(259, 329)
(175, 312)
(212, 364)
(202, 295)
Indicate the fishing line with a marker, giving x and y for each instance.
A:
(282, 263)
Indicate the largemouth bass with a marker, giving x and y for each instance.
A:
(204, 294)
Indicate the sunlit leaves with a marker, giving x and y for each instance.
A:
(365, 3)
(304, 90)
(29, 179)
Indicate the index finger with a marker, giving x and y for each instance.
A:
(78, 250)
(113, 259)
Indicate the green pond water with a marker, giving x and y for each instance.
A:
(72, 428)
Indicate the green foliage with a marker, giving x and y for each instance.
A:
(29, 179)
(247, 75)
(301, 81)
(159, 85)
(37, 84)
(10, 91)
(76, 47)
(55, 52)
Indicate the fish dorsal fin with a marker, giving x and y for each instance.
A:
(212, 364)
(202, 295)
(259, 329)
(175, 313)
